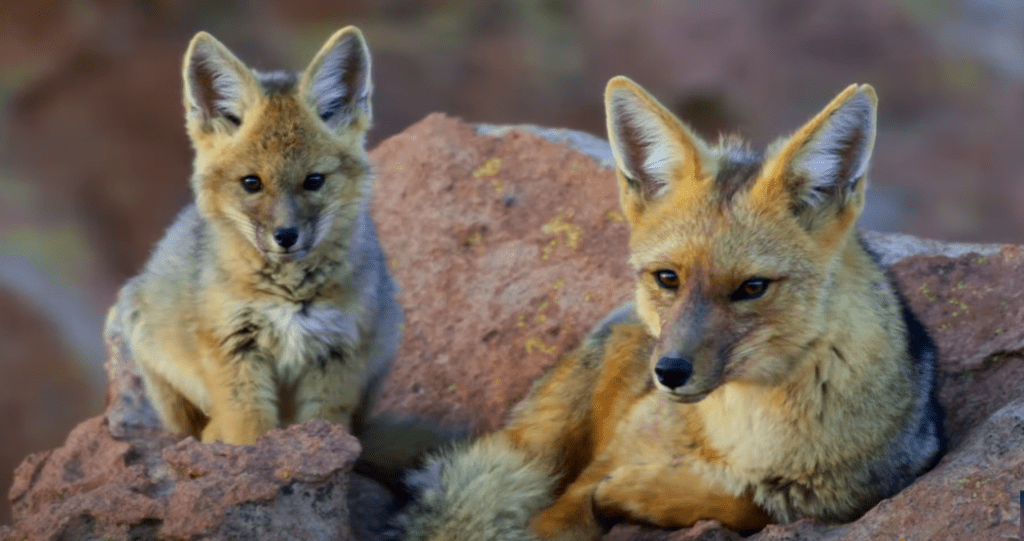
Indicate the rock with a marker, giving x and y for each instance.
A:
(291, 485)
(705, 530)
(972, 305)
(508, 245)
(518, 249)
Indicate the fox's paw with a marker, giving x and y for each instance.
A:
(614, 495)
(486, 492)
(672, 496)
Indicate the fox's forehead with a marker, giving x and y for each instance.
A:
(284, 126)
(283, 132)
(281, 122)
(697, 207)
(282, 138)
(734, 169)
(707, 237)
(723, 175)
(711, 223)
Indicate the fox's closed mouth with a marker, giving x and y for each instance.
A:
(689, 398)
(287, 255)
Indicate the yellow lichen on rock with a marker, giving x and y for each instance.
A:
(533, 343)
(556, 227)
(488, 169)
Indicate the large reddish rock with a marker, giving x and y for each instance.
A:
(973, 306)
(508, 245)
(507, 250)
(291, 485)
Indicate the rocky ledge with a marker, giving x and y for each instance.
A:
(508, 244)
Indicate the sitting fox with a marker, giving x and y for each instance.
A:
(768, 370)
(268, 302)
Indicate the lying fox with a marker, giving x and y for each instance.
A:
(269, 301)
(768, 370)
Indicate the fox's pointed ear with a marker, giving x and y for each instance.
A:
(653, 149)
(820, 172)
(218, 86)
(337, 82)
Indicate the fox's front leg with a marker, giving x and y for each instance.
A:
(672, 496)
(572, 517)
(330, 390)
(243, 397)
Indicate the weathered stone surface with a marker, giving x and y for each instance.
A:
(507, 250)
(706, 530)
(508, 246)
(90, 486)
(290, 485)
(973, 306)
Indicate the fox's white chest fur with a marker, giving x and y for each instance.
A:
(305, 335)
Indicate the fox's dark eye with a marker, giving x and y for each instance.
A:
(252, 183)
(751, 289)
(313, 182)
(667, 279)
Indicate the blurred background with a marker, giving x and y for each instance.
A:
(94, 160)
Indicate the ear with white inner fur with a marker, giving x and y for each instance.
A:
(218, 86)
(652, 148)
(337, 81)
(824, 165)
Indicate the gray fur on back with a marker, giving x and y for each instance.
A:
(921, 442)
(379, 291)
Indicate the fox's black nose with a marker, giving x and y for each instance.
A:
(673, 371)
(286, 236)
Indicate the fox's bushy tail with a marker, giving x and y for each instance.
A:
(487, 491)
